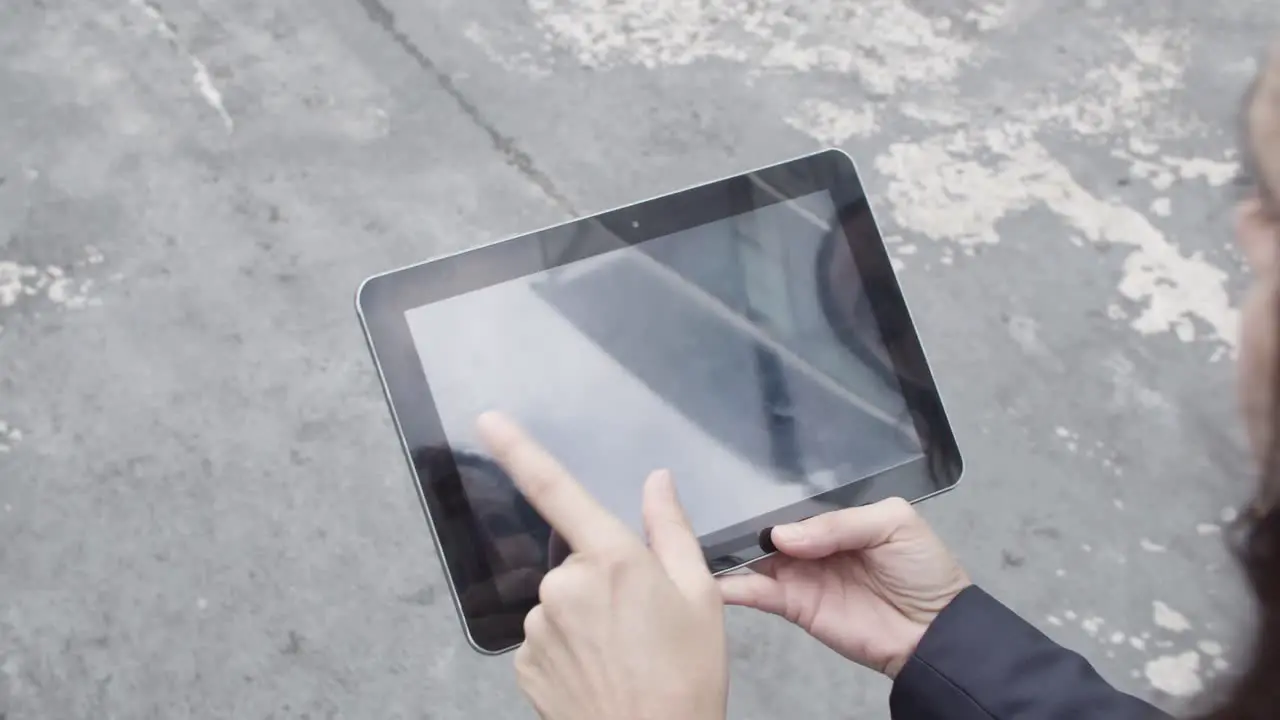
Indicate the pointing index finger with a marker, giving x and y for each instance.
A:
(549, 488)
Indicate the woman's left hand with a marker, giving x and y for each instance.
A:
(623, 631)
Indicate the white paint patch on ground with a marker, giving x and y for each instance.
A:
(18, 282)
(943, 115)
(831, 124)
(1092, 625)
(958, 185)
(940, 188)
(1208, 529)
(991, 16)
(1162, 207)
(1124, 95)
(1211, 648)
(1216, 173)
(1072, 442)
(201, 78)
(9, 436)
(1056, 621)
(1176, 675)
(937, 190)
(1229, 515)
(1176, 291)
(1126, 100)
(1169, 619)
(1138, 643)
(1152, 547)
(886, 43)
(66, 292)
(1162, 173)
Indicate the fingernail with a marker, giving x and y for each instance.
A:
(790, 534)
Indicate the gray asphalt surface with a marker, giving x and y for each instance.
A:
(205, 510)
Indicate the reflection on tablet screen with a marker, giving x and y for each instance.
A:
(707, 352)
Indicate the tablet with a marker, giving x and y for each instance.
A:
(747, 334)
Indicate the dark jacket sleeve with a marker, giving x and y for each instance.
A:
(980, 661)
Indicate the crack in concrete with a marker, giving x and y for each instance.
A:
(382, 16)
(200, 76)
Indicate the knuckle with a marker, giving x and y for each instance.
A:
(588, 579)
(606, 570)
(618, 562)
(560, 586)
(535, 624)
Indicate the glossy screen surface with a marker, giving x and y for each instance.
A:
(748, 335)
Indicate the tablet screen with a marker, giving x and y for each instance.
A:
(714, 352)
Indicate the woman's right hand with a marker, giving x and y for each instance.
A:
(866, 581)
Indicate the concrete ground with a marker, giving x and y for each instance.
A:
(205, 510)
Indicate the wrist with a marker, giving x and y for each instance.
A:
(920, 622)
(900, 659)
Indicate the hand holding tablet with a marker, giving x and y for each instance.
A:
(866, 581)
(748, 334)
(617, 620)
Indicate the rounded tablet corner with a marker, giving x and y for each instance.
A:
(958, 465)
(481, 649)
(366, 289)
(841, 155)
(959, 471)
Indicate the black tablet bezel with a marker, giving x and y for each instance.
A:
(383, 300)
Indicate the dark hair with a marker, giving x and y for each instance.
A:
(1255, 694)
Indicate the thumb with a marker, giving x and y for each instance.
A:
(848, 530)
(670, 535)
(760, 592)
